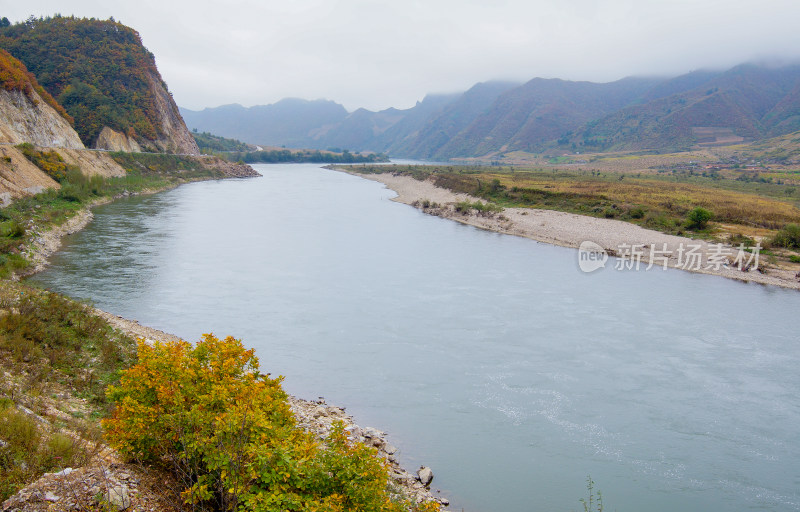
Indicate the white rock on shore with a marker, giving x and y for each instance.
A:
(318, 417)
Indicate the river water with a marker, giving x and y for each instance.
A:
(491, 358)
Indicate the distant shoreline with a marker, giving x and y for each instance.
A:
(570, 230)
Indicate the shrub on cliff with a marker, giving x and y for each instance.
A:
(50, 162)
(227, 432)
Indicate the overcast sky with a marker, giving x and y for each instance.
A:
(377, 54)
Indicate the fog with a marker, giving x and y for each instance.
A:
(377, 54)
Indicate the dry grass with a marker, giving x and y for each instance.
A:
(671, 197)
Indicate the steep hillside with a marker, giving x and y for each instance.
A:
(357, 131)
(364, 130)
(748, 102)
(288, 122)
(785, 116)
(105, 78)
(527, 117)
(28, 112)
(445, 124)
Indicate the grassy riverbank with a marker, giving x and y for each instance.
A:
(57, 359)
(26, 218)
(742, 209)
(57, 356)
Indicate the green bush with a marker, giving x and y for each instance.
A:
(465, 207)
(12, 229)
(698, 218)
(788, 237)
(637, 213)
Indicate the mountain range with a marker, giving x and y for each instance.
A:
(492, 119)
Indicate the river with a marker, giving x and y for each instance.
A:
(488, 357)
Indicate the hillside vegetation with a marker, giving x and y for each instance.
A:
(210, 143)
(97, 69)
(209, 416)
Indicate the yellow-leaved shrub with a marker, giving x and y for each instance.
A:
(226, 431)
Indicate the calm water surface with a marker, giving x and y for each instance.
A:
(491, 358)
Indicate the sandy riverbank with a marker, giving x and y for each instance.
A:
(631, 243)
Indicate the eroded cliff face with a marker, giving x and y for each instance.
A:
(23, 119)
(92, 163)
(176, 138)
(115, 141)
(18, 176)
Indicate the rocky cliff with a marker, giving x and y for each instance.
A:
(28, 113)
(105, 78)
(175, 136)
(31, 119)
(112, 140)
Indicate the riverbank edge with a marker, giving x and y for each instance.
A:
(316, 417)
(566, 229)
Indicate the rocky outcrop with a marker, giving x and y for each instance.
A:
(226, 168)
(115, 141)
(175, 136)
(23, 119)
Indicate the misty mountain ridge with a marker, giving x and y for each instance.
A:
(491, 119)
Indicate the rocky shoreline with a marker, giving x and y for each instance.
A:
(317, 417)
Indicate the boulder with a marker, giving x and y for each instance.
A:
(119, 497)
(425, 475)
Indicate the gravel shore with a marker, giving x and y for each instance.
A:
(631, 243)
